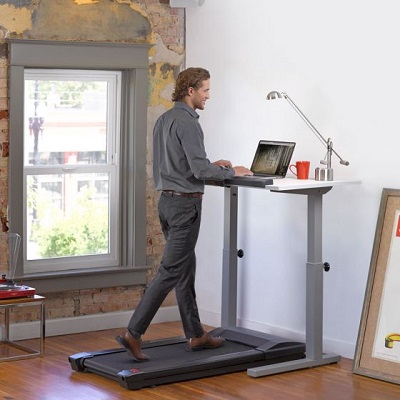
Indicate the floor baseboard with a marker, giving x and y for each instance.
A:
(86, 323)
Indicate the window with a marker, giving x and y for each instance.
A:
(71, 136)
(77, 163)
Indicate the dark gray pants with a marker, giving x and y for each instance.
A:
(180, 222)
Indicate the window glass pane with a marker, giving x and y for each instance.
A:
(66, 120)
(68, 215)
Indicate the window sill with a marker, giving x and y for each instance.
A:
(86, 279)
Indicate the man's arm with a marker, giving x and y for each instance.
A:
(223, 163)
(239, 171)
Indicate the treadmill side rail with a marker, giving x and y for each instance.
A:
(77, 361)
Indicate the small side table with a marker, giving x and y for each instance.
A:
(8, 305)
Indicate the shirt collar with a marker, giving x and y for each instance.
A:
(184, 106)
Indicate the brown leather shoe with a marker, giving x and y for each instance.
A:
(132, 346)
(204, 342)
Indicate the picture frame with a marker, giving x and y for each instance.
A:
(377, 352)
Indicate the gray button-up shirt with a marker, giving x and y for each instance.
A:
(180, 161)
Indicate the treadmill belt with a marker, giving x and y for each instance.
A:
(166, 357)
(170, 362)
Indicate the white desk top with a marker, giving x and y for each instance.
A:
(294, 184)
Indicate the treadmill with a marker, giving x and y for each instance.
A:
(170, 362)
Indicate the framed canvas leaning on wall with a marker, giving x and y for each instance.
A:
(378, 343)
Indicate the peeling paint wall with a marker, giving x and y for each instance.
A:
(116, 21)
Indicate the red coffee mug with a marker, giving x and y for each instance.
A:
(302, 169)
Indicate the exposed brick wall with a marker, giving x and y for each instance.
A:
(145, 21)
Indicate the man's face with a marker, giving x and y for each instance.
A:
(197, 97)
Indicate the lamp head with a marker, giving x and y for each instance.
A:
(274, 95)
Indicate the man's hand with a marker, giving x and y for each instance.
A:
(223, 163)
(242, 171)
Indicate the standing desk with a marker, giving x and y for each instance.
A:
(314, 190)
(257, 352)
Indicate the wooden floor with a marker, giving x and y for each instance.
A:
(51, 378)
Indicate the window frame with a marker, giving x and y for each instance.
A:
(111, 167)
(132, 61)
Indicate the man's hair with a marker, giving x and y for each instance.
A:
(191, 77)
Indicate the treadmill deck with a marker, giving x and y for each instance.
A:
(170, 362)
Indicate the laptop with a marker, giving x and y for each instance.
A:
(271, 160)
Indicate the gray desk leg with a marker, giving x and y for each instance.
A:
(314, 299)
(229, 259)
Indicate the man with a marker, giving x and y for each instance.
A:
(180, 166)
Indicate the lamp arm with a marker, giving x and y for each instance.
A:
(327, 143)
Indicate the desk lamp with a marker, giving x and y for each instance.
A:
(321, 174)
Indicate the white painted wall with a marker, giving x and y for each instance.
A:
(338, 62)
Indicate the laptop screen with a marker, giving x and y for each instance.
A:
(272, 158)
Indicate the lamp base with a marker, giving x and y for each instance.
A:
(323, 174)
